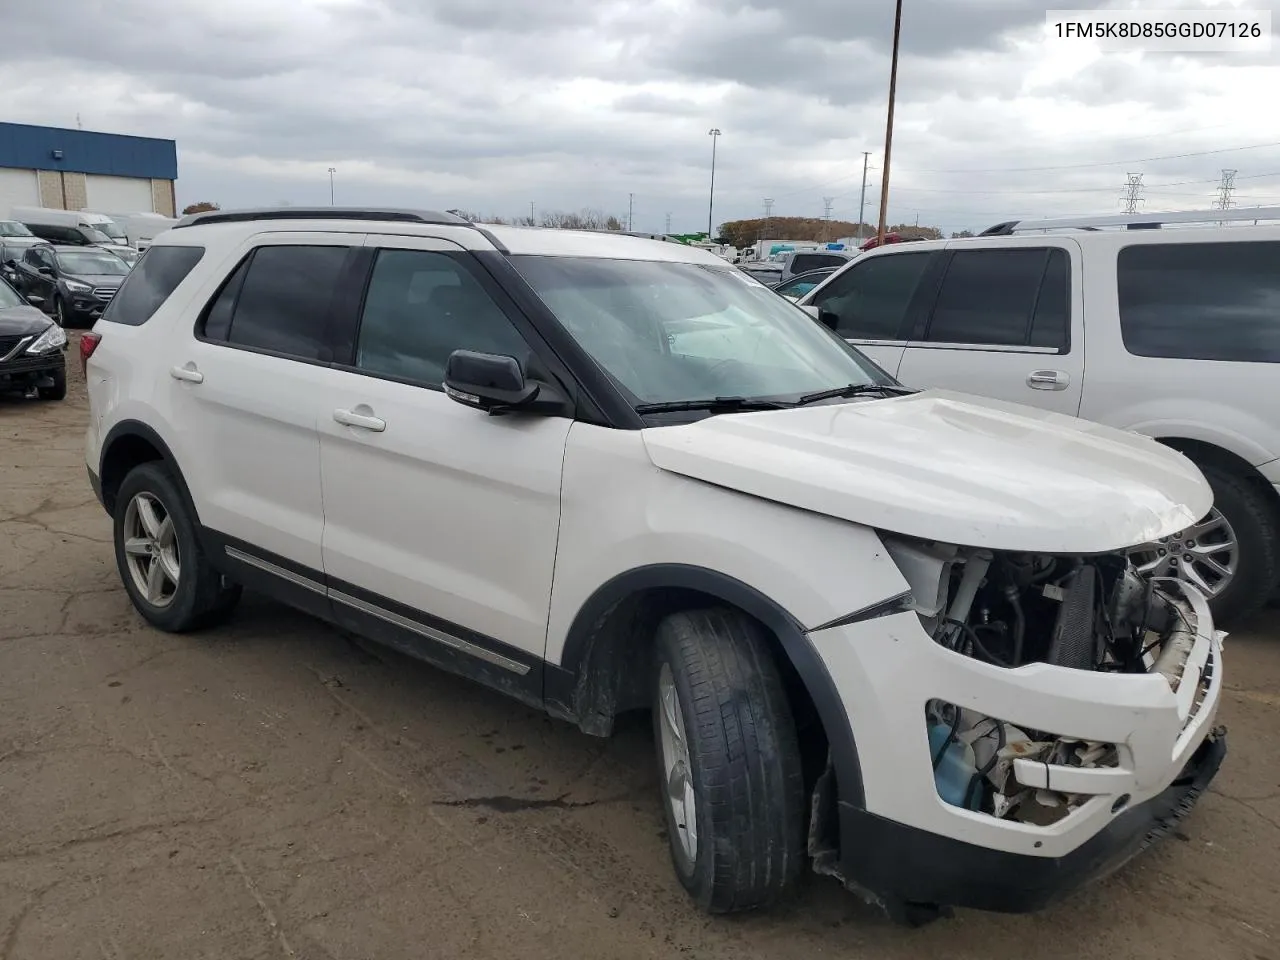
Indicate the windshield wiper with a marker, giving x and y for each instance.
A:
(716, 404)
(854, 390)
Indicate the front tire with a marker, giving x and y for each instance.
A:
(728, 761)
(161, 563)
(59, 311)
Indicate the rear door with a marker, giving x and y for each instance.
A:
(873, 302)
(1004, 322)
(245, 385)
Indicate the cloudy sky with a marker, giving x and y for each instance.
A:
(493, 105)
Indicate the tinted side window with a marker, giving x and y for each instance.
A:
(804, 262)
(987, 297)
(283, 301)
(1051, 322)
(420, 307)
(217, 319)
(870, 299)
(1201, 301)
(155, 276)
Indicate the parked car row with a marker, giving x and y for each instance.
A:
(32, 348)
(900, 636)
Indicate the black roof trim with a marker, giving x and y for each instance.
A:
(384, 215)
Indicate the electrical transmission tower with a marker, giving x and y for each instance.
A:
(768, 215)
(668, 223)
(1132, 192)
(826, 215)
(1226, 187)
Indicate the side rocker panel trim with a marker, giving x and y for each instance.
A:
(789, 631)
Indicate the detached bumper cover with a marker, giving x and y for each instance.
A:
(903, 864)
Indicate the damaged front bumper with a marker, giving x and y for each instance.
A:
(913, 851)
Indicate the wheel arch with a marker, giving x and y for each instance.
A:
(1203, 453)
(604, 667)
(128, 444)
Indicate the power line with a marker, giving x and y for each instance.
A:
(1066, 166)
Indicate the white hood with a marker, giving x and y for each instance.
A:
(949, 467)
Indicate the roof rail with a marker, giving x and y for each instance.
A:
(383, 214)
(1133, 221)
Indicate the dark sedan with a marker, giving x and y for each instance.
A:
(75, 284)
(32, 349)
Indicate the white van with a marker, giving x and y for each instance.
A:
(78, 227)
(141, 228)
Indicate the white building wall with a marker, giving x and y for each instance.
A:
(121, 194)
(18, 188)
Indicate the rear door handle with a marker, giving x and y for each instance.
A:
(1048, 380)
(187, 372)
(361, 417)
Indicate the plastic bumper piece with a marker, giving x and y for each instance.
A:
(906, 867)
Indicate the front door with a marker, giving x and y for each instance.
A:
(440, 521)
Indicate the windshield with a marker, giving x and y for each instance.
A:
(12, 228)
(93, 234)
(98, 264)
(112, 230)
(128, 256)
(8, 298)
(668, 332)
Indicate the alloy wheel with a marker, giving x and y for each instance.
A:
(151, 549)
(678, 779)
(1205, 555)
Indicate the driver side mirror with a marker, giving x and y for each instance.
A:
(487, 381)
(45, 271)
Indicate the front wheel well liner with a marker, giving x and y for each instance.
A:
(606, 662)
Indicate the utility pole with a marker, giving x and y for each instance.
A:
(1132, 192)
(332, 171)
(862, 201)
(768, 216)
(826, 215)
(714, 134)
(631, 205)
(533, 219)
(888, 130)
(1225, 188)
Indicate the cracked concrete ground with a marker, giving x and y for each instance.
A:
(269, 790)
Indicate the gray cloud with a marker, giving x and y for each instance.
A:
(491, 104)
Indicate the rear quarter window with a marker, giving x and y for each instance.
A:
(151, 282)
(1201, 301)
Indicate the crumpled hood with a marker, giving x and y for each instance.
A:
(949, 467)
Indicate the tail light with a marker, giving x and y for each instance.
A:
(88, 343)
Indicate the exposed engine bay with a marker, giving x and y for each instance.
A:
(1089, 613)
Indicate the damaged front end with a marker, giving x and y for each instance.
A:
(1088, 613)
(1029, 722)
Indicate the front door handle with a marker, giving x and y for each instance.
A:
(362, 416)
(1048, 380)
(187, 372)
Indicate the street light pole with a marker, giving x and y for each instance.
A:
(862, 202)
(888, 132)
(332, 171)
(714, 134)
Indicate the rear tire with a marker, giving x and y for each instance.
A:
(1254, 522)
(153, 527)
(716, 678)
(59, 389)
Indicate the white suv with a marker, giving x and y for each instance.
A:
(1173, 333)
(891, 634)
